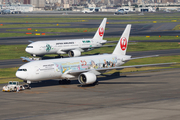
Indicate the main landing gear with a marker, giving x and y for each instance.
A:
(27, 85)
(64, 81)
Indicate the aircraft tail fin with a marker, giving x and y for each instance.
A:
(100, 31)
(121, 47)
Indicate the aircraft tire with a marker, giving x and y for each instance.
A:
(15, 89)
(68, 81)
(96, 83)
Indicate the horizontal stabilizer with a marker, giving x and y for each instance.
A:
(144, 57)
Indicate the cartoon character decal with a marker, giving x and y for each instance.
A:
(92, 65)
(86, 64)
(83, 62)
(48, 47)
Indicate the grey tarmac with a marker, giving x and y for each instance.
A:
(153, 95)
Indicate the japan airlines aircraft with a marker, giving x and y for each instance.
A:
(84, 68)
(72, 47)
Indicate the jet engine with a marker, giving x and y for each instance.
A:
(87, 78)
(74, 53)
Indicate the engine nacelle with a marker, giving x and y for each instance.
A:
(87, 78)
(74, 53)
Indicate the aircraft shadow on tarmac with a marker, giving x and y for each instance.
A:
(117, 75)
(100, 79)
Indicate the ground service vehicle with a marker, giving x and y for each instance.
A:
(13, 86)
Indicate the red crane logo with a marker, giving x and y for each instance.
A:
(101, 31)
(123, 43)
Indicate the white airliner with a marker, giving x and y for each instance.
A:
(84, 68)
(72, 47)
(88, 11)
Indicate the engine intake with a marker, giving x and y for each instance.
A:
(87, 78)
(74, 53)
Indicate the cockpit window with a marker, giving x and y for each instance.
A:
(10, 83)
(14, 83)
(22, 69)
(29, 47)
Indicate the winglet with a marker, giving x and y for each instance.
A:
(121, 47)
(100, 31)
(30, 41)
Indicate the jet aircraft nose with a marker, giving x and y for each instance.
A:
(29, 49)
(21, 74)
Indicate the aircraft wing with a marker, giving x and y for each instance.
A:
(28, 59)
(98, 71)
(68, 49)
(82, 48)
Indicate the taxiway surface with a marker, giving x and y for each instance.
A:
(132, 96)
(141, 96)
(114, 30)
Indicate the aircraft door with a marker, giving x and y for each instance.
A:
(36, 70)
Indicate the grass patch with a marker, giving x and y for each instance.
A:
(142, 69)
(140, 46)
(145, 38)
(8, 74)
(58, 30)
(31, 25)
(153, 46)
(16, 51)
(164, 17)
(153, 38)
(177, 27)
(38, 20)
(12, 51)
(141, 22)
(20, 34)
(153, 60)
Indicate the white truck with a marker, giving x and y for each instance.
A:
(13, 86)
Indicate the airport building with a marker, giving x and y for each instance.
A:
(38, 3)
(17, 7)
